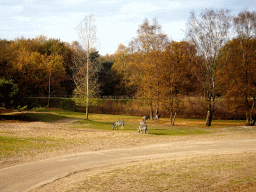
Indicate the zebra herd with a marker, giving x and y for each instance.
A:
(142, 127)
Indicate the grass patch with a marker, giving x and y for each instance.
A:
(179, 131)
(105, 122)
(162, 127)
(10, 146)
(44, 117)
(28, 117)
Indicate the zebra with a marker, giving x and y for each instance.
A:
(157, 117)
(145, 118)
(143, 128)
(118, 123)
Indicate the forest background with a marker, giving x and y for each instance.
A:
(211, 74)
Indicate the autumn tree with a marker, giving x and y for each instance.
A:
(55, 47)
(237, 74)
(150, 37)
(245, 25)
(209, 34)
(31, 68)
(30, 63)
(5, 57)
(179, 76)
(237, 77)
(149, 84)
(143, 60)
(119, 67)
(86, 30)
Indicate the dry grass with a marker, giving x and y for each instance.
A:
(229, 172)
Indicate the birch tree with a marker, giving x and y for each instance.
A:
(86, 31)
(150, 37)
(209, 33)
(149, 43)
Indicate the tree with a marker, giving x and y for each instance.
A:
(237, 77)
(180, 75)
(143, 60)
(209, 34)
(86, 30)
(8, 93)
(107, 78)
(245, 25)
(5, 56)
(78, 62)
(120, 68)
(238, 70)
(30, 68)
(149, 38)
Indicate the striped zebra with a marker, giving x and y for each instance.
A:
(118, 123)
(145, 118)
(143, 128)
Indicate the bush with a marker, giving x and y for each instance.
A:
(38, 109)
(22, 108)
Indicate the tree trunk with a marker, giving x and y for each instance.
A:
(211, 105)
(172, 118)
(49, 94)
(171, 122)
(151, 113)
(209, 117)
(157, 112)
(87, 86)
(250, 121)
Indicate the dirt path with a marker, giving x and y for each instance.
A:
(33, 175)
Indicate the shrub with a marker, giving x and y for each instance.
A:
(38, 109)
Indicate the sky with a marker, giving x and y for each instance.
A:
(116, 20)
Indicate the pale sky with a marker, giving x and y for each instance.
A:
(117, 20)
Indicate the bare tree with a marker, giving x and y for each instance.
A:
(149, 38)
(209, 33)
(86, 30)
(78, 61)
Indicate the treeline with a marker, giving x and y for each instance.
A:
(36, 64)
(215, 62)
(43, 67)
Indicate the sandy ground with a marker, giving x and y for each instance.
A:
(95, 142)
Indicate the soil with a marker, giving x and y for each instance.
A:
(90, 141)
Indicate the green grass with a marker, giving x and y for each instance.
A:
(44, 117)
(178, 131)
(10, 145)
(105, 122)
